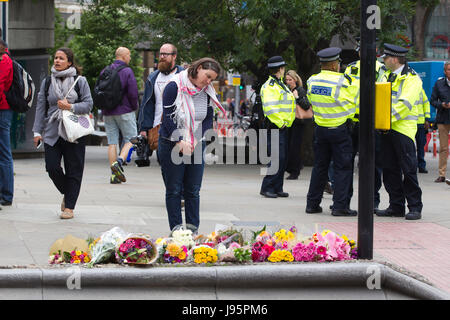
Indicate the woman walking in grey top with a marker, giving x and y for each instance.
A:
(51, 98)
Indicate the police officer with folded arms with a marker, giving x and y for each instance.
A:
(334, 99)
(397, 145)
(279, 111)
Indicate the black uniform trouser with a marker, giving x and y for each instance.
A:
(378, 166)
(331, 144)
(400, 172)
(294, 161)
(67, 181)
(274, 182)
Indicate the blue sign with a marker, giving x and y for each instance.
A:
(322, 91)
(429, 72)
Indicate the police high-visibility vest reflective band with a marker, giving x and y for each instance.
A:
(333, 96)
(406, 89)
(354, 71)
(423, 108)
(278, 103)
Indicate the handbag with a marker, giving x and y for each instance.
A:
(300, 113)
(76, 125)
(153, 135)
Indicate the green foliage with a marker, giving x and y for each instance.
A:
(242, 254)
(105, 26)
(62, 34)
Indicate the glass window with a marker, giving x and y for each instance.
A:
(437, 34)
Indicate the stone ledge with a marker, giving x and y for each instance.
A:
(343, 280)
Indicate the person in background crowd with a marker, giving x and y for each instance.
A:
(423, 125)
(440, 99)
(278, 104)
(398, 151)
(189, 101)
(122, 119)
(68, 181)
(6, 114)
(333, 97)
(295, 132)
(151, 110)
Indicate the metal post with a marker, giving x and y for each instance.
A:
(366, 132)
(4, 22)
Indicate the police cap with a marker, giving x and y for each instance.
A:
(329, 54)
(275, 62)
(393, 50)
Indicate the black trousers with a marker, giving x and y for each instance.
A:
(399, 162)
(274, 182)
(378, 166)
(294, 161)
(67, 181)
(331, 144)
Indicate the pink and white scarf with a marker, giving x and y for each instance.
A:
(184, 114)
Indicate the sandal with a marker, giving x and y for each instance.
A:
(66, 215)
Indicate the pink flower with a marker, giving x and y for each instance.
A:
(234, 245)
(321, 250)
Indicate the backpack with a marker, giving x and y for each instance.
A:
(48, 82)
(20, 95)
(108, 89)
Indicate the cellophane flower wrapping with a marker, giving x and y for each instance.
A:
(137, 249)
(104, 249)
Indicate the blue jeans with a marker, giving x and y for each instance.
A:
(181, 179)
(6, 160)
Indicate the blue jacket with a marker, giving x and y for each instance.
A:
(146, 116)
(441, 93)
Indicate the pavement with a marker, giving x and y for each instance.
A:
(229, 196)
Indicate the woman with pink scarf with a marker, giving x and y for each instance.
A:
(189, 102)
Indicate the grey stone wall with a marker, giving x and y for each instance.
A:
(31, 24)
(31, 33)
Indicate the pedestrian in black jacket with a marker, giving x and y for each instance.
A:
(294, 165)
(440, 99)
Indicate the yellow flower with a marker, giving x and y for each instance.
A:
(182, 255)
(77, 261)
(86, 259)
(78, 253)
(173, 249)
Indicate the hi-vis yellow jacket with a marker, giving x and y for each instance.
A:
(278, 102)
(354, 71)
(334, 98)
(423, 108)
(406, 89)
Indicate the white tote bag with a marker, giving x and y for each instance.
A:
(76, 125)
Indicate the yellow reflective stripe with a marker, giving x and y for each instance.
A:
(334, 115)
(277, 110)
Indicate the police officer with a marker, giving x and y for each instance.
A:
(423, 125)
(397, 145)
(334, 98)
(354, 71)
(278, 104)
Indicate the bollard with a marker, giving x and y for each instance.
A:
(434, 144)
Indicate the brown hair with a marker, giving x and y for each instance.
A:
(294, 75)
(70, 57)
(206, 63)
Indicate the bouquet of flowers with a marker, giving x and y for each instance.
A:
(183, 237)
(173, 253)
(103, 249)
(325, 246)
(204, 254)
(56, 258)
(137, 249)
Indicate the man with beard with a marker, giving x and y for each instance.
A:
(151, 109)
(121, 119)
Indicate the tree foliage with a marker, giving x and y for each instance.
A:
(242, 35)
(105, 26)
